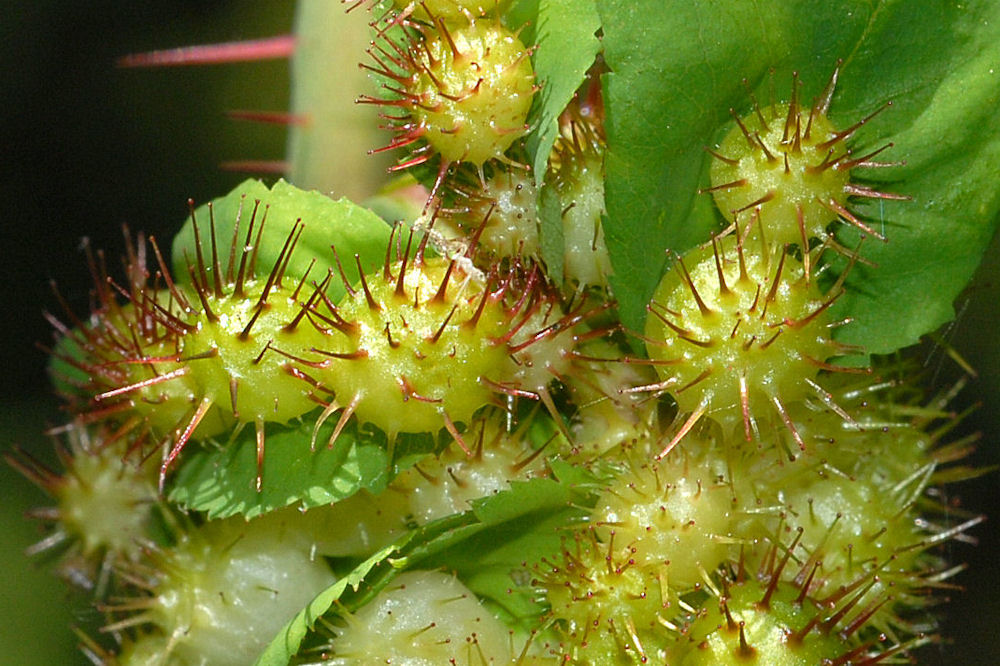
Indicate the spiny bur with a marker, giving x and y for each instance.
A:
(606, 416)
(463, 89)
(105, 502)
(499, 214)
(447, 484)
(863, 499)
(795, 166)
(426, 342)
(542, 344)
(735, 325)
(605, 606)
(422, 617)
(577, 170)
(408, 347)
(206, 594)
(768, 617)
(194, 359)
(676, 514)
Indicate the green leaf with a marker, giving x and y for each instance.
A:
(567, 46)
(222, 482)
(496, 563)
(551, 236)
(64, 369)
(677, 70)
(341, 224)
(522, 15)
(939, 63)
(501, 532)
(287, 642)
(525, 524)
(524, 497)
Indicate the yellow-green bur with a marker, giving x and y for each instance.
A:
(758, 331)
(474, 87)
(421, 618)
(233, 358)
(130, 353)
(414, 360)
(607, 607)
(675, 514)
(580, 185)
(450, 10)
(227, 588)
(750, 631)
(780, 161)
(104, 500)
(242, 350)
(510, 200)
(857, 494)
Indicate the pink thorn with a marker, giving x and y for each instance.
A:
(282, 46)
(342, 421)
(199, 414)
(453, 431)
(690, 423)
(255, 166)
(745, 405)
(138, 386)
(327, 411)
(270, 117)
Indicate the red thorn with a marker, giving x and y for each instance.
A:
(216, 267)
(724, 186)
(822, 105)
(171, 287)
(705, 310)
(372, 305)
(728, 160)
(440, 296)
(199, 414)
(690, 423)
(138, 386)
(255, 166)
(282, 46)
(400, 286)
(269, 117)
(197, 247)
(453, 431)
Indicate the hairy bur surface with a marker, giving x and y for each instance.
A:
(415, 347)
(675, 514)
(424, 618)
(473, 89)
(730, 325)
(791, 166)
(210, 591)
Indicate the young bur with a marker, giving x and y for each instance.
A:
(461, 91)
(192, 359)
(739, 323)
(793, 167)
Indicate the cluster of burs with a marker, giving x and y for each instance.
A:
(731, 492)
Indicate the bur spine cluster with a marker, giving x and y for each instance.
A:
(720, 487)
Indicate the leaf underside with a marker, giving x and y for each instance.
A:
(221, 481)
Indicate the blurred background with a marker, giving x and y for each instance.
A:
(88, 147)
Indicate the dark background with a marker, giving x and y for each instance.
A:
(87, 147)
